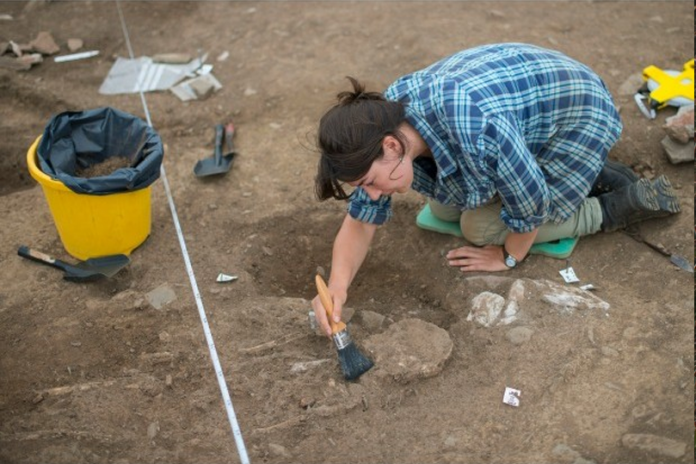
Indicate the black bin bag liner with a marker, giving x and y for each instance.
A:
(77, 140)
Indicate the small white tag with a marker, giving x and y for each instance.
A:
(587, 287)
(569, 275)
(512, 396)
(226, 278)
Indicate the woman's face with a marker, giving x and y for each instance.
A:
(389, 174)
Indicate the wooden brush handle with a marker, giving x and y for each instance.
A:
(326, 300)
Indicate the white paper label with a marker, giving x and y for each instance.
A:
(569, 275)
(226, 278)
(511, 396)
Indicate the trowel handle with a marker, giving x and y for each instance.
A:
(39, 257)
(219, 133)
(326, 300)
(229, 135)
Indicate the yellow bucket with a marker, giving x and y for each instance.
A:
(94, 225)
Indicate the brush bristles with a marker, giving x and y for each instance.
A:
(353, 362)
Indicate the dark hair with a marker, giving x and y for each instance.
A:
(350, 137)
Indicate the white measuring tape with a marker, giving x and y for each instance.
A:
(236, 432)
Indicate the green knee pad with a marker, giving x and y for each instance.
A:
(559, 249)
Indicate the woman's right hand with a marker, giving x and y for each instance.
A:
(338, 299)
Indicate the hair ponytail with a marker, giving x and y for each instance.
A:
(350, 137)
(358, 94)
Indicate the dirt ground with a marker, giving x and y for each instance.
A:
(93, 372)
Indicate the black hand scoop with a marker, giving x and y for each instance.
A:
(85, 271)
(219, 164)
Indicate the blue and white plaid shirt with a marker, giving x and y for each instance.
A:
(528, 124)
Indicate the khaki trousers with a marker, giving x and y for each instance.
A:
(483, 226)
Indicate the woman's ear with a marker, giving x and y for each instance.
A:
(390, 145)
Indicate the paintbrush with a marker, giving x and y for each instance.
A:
(353, 362)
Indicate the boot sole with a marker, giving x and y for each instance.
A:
(666, 196)
(646, 195)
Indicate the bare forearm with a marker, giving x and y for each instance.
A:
(350, 248)
(518, 244)
(492, 257)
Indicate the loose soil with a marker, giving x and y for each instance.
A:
(99, 373)
(105, 168)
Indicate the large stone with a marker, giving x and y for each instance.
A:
(371, 320)
(485, 308)
(680, 127)
(654, 444)
(568, 299)
(677, 152)
(409, 350)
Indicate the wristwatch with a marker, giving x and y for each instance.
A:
(510, 261)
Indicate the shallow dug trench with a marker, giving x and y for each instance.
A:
(395, 280)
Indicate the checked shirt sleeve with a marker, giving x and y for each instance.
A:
(519, 180)
(362, 208)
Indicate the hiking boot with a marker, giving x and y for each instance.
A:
(637, 202)
(613, 176)
(666, 197)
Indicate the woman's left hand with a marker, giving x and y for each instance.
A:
(468, 258)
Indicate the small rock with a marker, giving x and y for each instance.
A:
(152, 430)
(519, 335)
(75, 44)
(278, 451)
(31, 59)
(306, 403)
(38, 398)
(450, 442)
(631, 85)
(168, 380)
(125, 295)
(161, 296)
(172, 58)
(680, 127)
(44, 44)
(248, 92)
(516, 291)
(609, 352)
(202, 87)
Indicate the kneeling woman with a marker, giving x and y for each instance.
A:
(510, 139)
